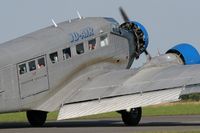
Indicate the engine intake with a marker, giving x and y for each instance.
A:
(187, 53)
(140, 35)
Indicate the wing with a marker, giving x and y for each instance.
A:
(125, 89)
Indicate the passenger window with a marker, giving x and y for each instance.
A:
(32, 65)
(80, 48)
(54, 57)
(66, 53)
(92, 44)
(22, 69)
(41, 63)
(104, 41)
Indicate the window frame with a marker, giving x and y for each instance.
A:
(83, 48)
(33, 67)
(42, 65)
(105, 40)
(68, 52)
(26, 68)
(93, 45)
(52, 58)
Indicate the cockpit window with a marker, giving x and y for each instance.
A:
(111, 20)
(54, 57)
(66, 53)
(92, 44)
(32, 65)
(80, 48)
(22, 69)
(104, 40)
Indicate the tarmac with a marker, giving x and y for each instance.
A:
(147, 124)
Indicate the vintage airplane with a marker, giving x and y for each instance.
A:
(83, 67)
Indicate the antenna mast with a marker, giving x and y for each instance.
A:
(79, 15)
(54, 23)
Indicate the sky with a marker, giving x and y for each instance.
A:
(168, 22)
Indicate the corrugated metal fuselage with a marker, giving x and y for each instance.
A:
(24, 84)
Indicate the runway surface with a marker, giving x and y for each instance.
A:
(159, 123)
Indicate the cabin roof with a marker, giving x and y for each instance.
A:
(39, 42)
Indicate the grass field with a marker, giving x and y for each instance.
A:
(179, 108)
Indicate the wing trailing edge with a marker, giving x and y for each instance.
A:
(118, 103)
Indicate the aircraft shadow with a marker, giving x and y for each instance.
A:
(94, 123)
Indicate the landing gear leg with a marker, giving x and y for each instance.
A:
(131, 118)
(36, 118)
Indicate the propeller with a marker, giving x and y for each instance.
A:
(124, 15)
(126, 19)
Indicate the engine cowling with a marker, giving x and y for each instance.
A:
(140, 34)
(186, 52)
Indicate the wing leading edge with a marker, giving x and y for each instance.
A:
(125, 89)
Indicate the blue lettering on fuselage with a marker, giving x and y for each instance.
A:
(84, 33)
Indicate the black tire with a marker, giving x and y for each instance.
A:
(133, 117)
(36, 118)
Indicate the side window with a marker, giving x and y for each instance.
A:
(104, 40)
(41, 63)
(66, 53)
(54, 57)
(32, 65)
(92, 44)
(80, 48)
(22, 69)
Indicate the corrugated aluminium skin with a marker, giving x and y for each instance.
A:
(31, 90)
(42, 41)
(148, 86)
(118, 103)
(94, 82)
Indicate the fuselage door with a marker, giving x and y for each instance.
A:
(33, 77)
